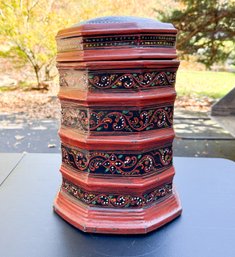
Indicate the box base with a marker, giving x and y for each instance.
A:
(117, 221)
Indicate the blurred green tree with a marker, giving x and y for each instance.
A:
(206, 29)
(28, 27)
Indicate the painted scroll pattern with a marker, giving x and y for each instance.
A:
(117, 120)
(119, 163)
(131, 120)
(82, 79)
(132, 80)
(116, 200)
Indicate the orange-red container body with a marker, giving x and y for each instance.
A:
(117, 78)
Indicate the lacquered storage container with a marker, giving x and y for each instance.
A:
(117, 78)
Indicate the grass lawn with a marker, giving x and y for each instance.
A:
(204, 83)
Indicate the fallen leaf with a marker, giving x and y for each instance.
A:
(51, 145)
(19, 137)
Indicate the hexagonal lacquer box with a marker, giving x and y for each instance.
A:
(117, 77)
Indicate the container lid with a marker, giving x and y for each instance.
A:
(117, 38)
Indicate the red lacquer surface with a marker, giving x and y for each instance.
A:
(117, 125)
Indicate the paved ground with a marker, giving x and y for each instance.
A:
(34, 136)
(196, 135)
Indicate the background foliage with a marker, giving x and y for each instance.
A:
(206, 29)
(28, 29)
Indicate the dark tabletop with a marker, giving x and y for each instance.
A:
(30, 228)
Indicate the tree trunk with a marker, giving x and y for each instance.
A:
(36, 71)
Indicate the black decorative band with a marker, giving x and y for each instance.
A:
(87, 43)
(132, 80)
(131, 120)
(120, 163)
(129, 40)
(126, 120)
(116, 200)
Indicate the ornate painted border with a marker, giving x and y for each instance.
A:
(126, 120)
(129, 40)
(100, 42)
(116, 200)
(131, 120)
(118, 80)
(132, 80)
(120, 163)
